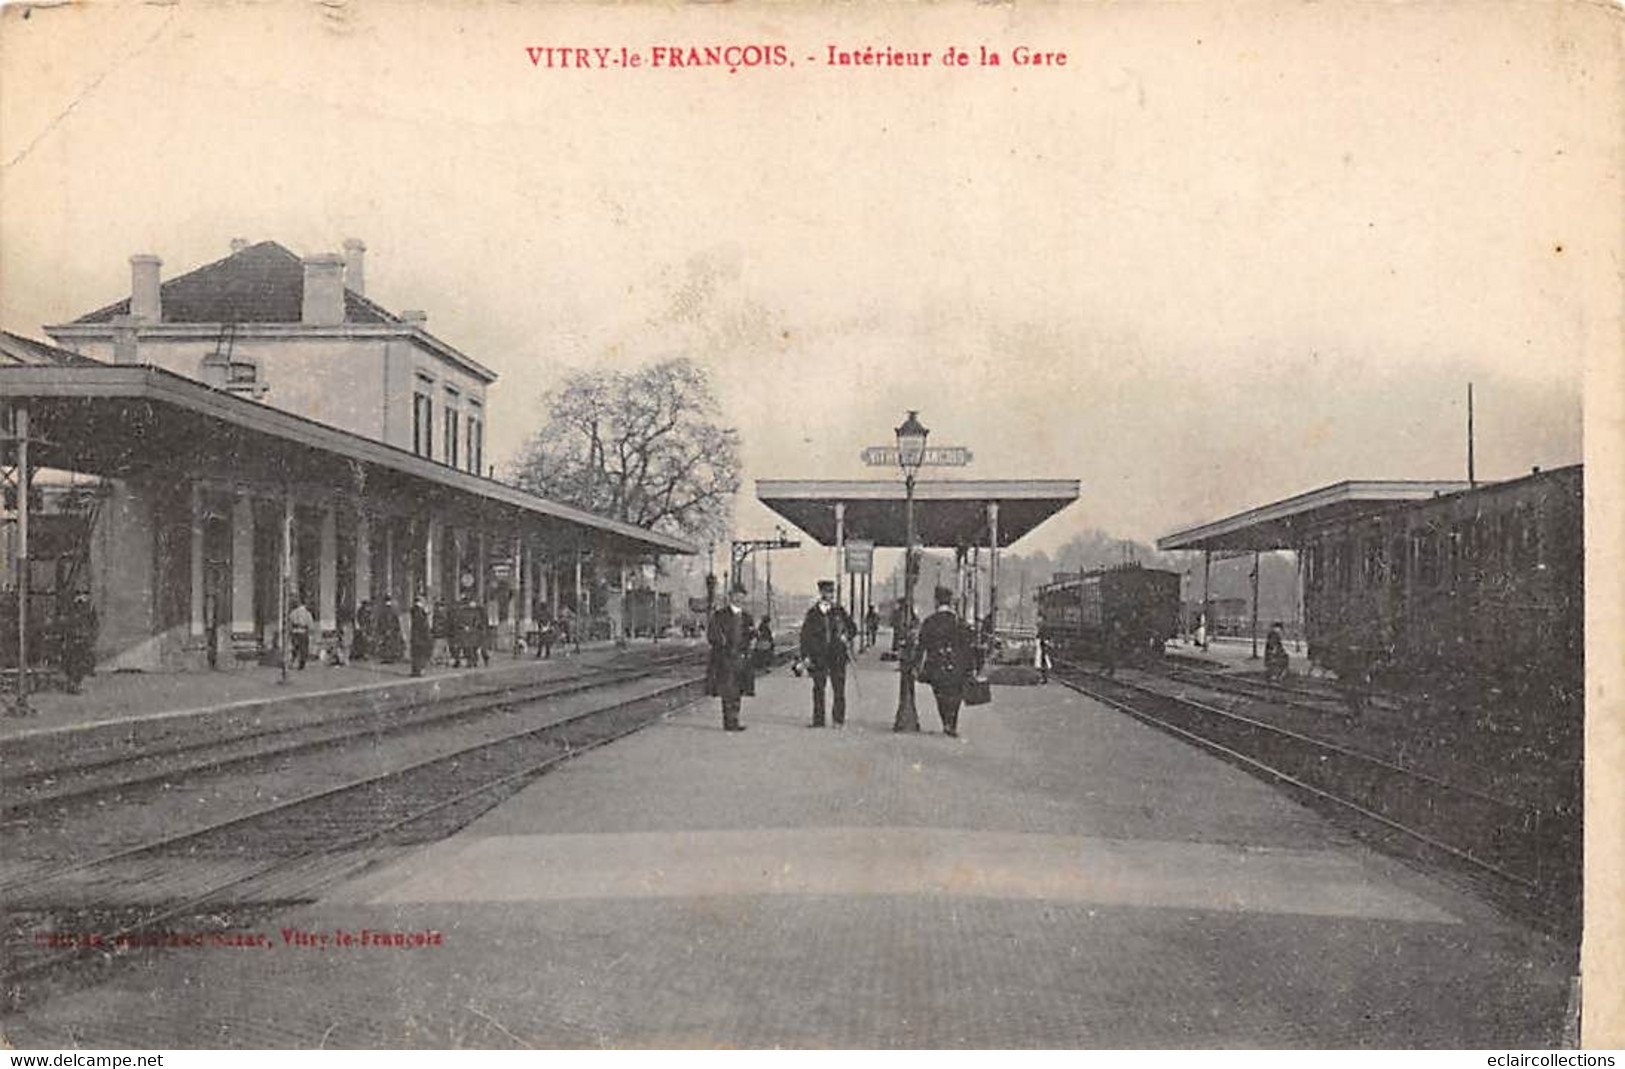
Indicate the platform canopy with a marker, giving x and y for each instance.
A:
(947, 513)
(117, 420)
(1286, 524)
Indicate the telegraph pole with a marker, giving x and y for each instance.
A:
(1472, 478)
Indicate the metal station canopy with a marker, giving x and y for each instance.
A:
(947, 512)
(1285, 524)
(115, 420)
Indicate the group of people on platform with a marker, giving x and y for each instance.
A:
(945, 657)
(460, 635)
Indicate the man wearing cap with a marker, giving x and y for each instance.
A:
(825, 636)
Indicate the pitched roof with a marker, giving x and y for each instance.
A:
(18, 351)
(264, 283)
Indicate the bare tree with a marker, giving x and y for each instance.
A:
(646, 447)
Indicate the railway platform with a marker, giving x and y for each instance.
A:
(1059, 876)
(128, 711)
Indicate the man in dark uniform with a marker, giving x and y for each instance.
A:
(946, 654)
(1275, 658)
(729, 672)
(825, 636)
(422, 643)
(79, 642)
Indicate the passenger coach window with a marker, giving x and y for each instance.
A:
(1372, 570)
(1427, 559)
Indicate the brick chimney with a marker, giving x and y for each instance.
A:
(355, 262)
(146, 302)
(323, 304)
(125, 350)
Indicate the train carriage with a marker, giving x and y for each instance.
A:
(1078, 611)
(1484, 585)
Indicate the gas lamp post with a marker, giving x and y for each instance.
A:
(910, 455)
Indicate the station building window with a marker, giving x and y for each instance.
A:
(1526, 529)
(451, 452)
(423, 417)
(476, 437)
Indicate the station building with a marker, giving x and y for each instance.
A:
(259, 418)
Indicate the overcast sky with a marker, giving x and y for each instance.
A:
(1226, 254)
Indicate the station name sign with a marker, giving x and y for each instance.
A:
(936, 456)
(860, 557)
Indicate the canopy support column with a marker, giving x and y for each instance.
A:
(993, 563)
(1207, 597)
(285, 577)
(327, 571)
(196, 535)
(840, 548)
(1255, 604)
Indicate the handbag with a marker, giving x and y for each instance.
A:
(977, 691)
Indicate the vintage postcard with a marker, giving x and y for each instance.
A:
(1053, 525)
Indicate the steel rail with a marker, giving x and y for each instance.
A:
(1341, 750)
(1286, 777)
(328, 733)
(203, 898)
(1267, 692)
(35, 878)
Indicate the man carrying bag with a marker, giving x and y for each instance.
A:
(947, 662)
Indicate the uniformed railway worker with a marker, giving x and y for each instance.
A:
(947, 658)
(826, 636)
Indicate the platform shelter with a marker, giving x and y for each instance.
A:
(965, 515)
(1293, 522)
(200, 501)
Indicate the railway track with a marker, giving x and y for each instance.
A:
(59, 790)
(1297, 697)
(282, 852)
(1505, 848)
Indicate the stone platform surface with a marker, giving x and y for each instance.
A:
(1061, 876)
